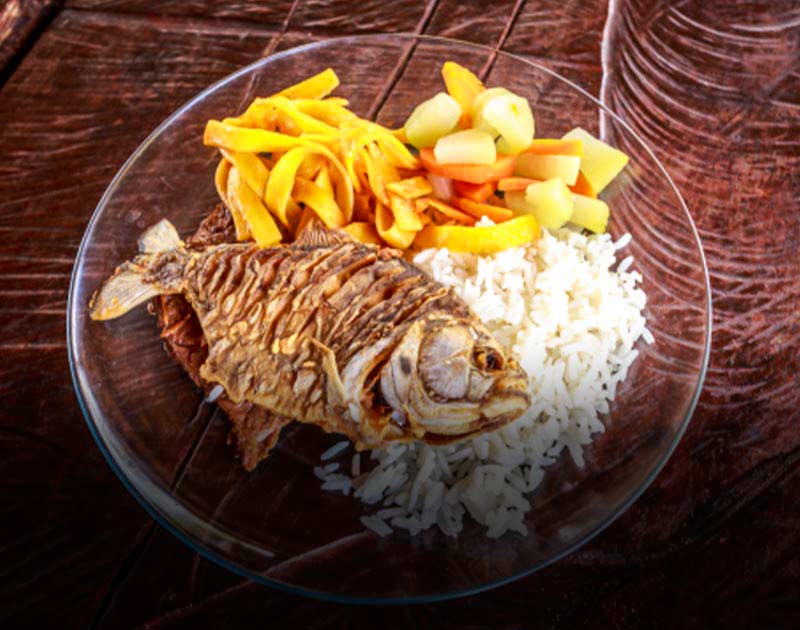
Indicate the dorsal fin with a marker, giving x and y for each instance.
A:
(160, 237)
(316, 234)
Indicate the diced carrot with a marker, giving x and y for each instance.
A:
(548, 146)
(475, 192)
(470, 173)
(448, 210)
(583, 187)
(478, 210)
(515, 183)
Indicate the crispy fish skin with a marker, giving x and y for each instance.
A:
(331, 332)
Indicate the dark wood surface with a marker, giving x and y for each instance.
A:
(713, 87)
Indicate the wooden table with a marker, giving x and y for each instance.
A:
(713, 87)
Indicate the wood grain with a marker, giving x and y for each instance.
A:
(339, 17)
(269, 13)
(564, 36)
(472, 21)
(63, 148)
(19, 22)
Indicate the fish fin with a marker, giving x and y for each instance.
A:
(161, 237)
(123, 291)
(317, 234)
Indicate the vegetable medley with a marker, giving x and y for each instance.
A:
(463, 154)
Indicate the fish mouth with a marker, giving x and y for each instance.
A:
(510, 398)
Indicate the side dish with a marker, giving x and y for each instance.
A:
(442, 295)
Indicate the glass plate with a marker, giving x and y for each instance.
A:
(276, 525)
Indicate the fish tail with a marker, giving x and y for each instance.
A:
(129, 286)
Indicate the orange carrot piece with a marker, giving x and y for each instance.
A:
(502, 167)
(448, 210)
(583, 187)
(508, 184)
(548, 146)
(478, 210)
(475, 192)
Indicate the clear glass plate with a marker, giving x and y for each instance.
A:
(276, 525)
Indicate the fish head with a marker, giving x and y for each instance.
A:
(449, 377)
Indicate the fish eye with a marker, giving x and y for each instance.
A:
(488, 359)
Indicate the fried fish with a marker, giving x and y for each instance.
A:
(328, 331)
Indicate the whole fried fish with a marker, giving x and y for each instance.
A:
(330, 332)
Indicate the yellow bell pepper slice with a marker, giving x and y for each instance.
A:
(243, 200)
(363, 232)
(319, 201)
(250, 167)
(244, 140)
(411, 188)
(404, 212)
(318, 86)
(389, 231)
(488, 239)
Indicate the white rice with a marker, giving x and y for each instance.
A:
(571, 319)
(334, 450)
(215, 393)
